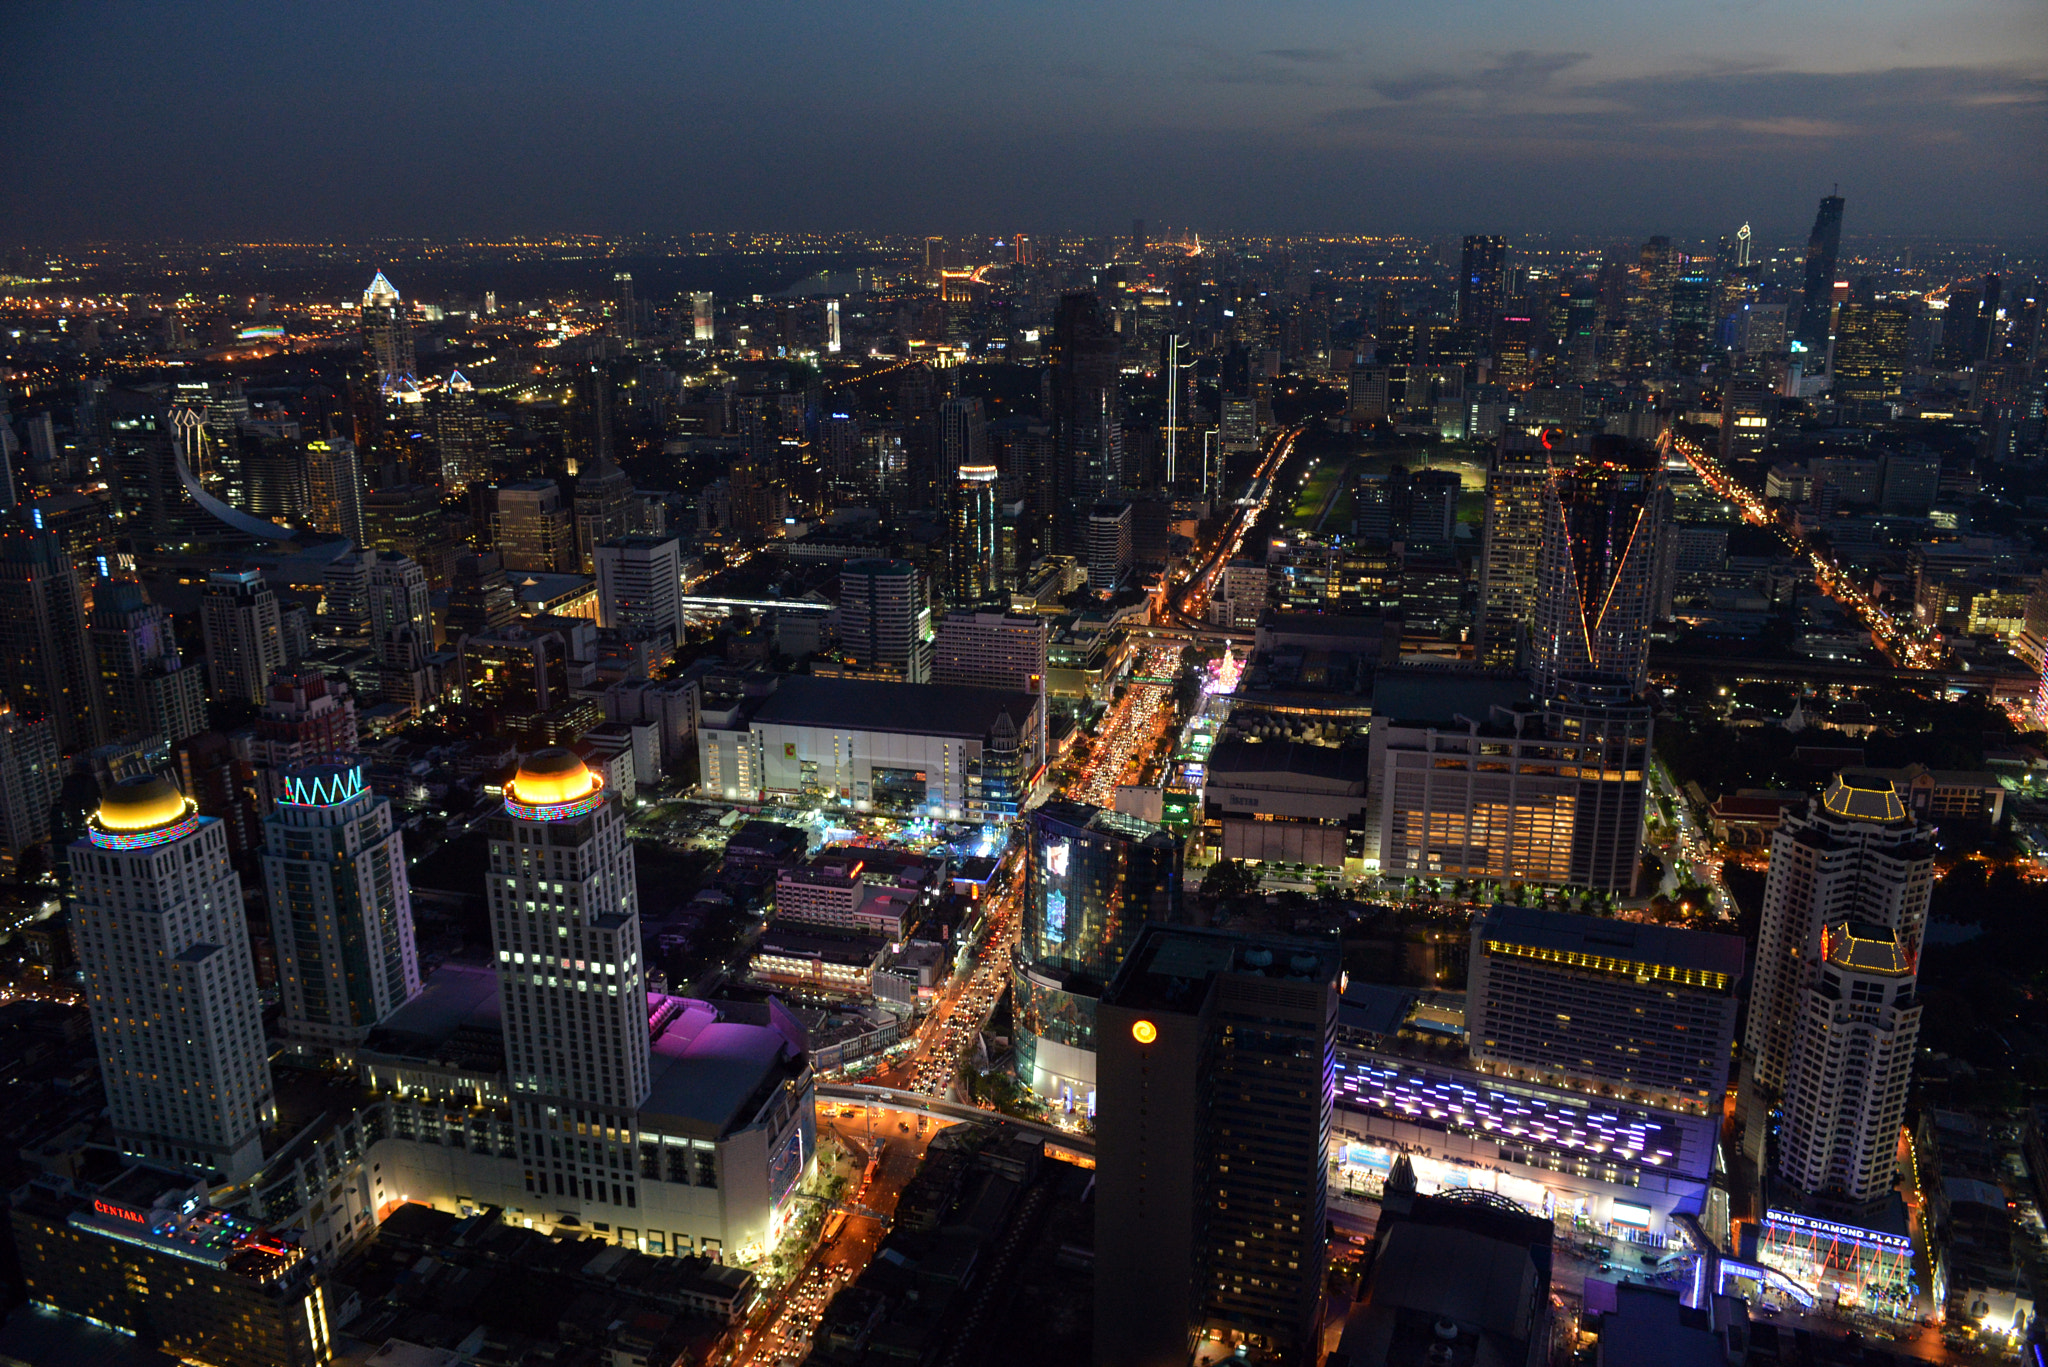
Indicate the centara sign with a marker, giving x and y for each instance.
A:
(118, 1212)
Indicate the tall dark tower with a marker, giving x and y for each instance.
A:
(1087, 414)
(1479, 284)
(1823, 245)
(1138, 242)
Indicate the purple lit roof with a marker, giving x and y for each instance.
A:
(703, 1070)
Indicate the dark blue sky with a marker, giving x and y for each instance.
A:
(343, 121)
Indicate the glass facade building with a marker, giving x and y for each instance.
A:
(1094, 878)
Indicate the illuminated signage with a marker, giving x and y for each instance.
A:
(1629, 1213)
(1144, 1032)
(1828, 1229)
(324, 789)
(118, 1212)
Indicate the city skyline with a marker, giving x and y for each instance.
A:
(912, 118)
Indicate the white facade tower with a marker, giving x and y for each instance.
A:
(566, 920)
(171, 982)
(340, 904)
(1851, 1064)
(1856, 853)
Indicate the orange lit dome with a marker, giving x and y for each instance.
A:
(142, 804)
(551, 776)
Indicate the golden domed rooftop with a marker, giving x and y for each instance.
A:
(142, 804)
(552, 776)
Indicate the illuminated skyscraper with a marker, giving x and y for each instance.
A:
(885, 621)
(1095, 877)
(1596, 572)
(1212, 1148)
(462, 434)
(625, 309)
(387, 337)
(973, 551)
(1479, 285)
(334, 488)
(1870, 350)
(244, 634)
(1085, 367)
(1516, 479)
(1856, 852)
(565, 917)
(1816, 303)
(703, 324)
(340, 904)
(1857, 1021)
(170, 981)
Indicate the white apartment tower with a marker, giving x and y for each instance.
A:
(1858, 854)
(340, 904)
(31, 772)
(244, 635)
(170, 981)
(400, 607)
(1852, 1061)
(640, 585)
(573, 991)
(885, 621)
(991, 650)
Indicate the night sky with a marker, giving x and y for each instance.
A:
(295, 121)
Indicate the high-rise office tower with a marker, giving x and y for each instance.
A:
(703, 324)
(973, 553)
(1851, 1064)
(832, 327)
(1094, 878)
(1479, 285)
(565, 917)
(387, 336)
(1596, 1004)
(30, 776)
(1085, 373)
(340, 904)
(244, 634)
(1693, 321)
(1138, 243)
(1649, 304)
(625, 309)
(1856, 852)
(334, 488)
(1596, 572)
(885, 620)
(1109, 547)
(1512, 538)
(531, 529)
(480, 599)
(148, 690)
(1747, 404)
(462, 434)
(1211, 1146)
(401, 614)
(1870, 350)
(170, 981)
(639, 587)
(45, 663)
(1817, 301)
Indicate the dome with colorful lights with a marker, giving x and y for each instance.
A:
(553, 785)
(140, 812)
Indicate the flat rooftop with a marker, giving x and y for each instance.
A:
(904, 708)
(704, 1071)
(1346, 766)
(1438, 697)
(454, 995)
(1170, 967)
(1605, 938)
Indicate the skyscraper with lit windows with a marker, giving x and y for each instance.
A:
(340, 904)
(170, 981)
(565, 918)
(1817, 301)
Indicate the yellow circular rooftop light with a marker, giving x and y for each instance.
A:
(141, 804)
(1144, 1032)
(551, 776)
